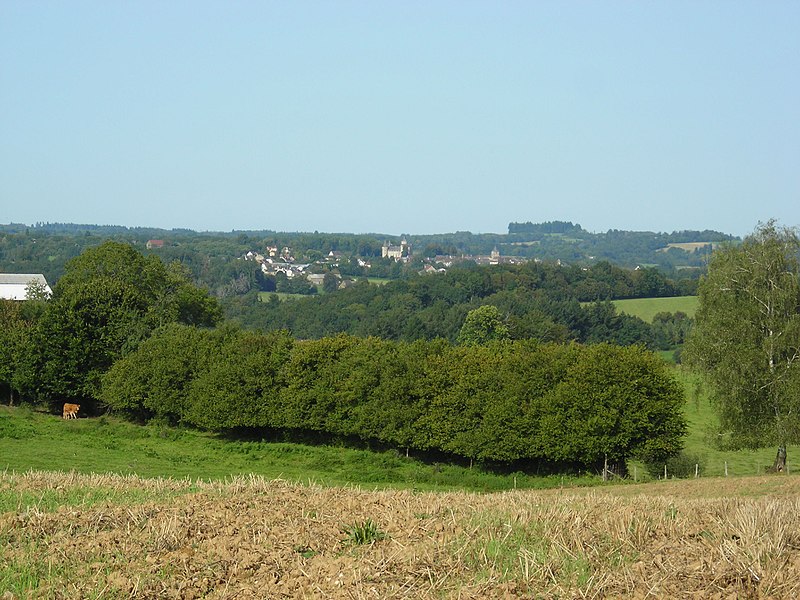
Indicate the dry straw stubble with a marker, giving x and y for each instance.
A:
(249, 537)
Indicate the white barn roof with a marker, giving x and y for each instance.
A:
(13, 285)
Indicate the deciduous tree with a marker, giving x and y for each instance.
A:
(110, 299)
(483, 325)
(747, 338)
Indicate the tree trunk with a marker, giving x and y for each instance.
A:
(780, 460)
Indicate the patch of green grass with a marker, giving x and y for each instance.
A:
(32, 440)
(21, 577)
(701, 441)
(360, 534)
(647, 308)
(14, 500)
(502, 548)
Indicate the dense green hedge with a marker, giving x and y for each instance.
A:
(510, 403)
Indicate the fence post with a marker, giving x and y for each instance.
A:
(665, 472)
(696, 470)
(726, 468)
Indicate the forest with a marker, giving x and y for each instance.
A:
(544, 301)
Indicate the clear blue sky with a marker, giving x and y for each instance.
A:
(400, 117)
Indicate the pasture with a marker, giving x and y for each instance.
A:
(282, 296)
(647, 308)
(690, 246)
(35, 440)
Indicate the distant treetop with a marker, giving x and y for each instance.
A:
(548, 227)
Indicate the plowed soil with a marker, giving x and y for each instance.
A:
(252, 538)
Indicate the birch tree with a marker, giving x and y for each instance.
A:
(747, 339)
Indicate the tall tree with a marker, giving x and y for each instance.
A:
(747, 338)
(483, 325)
(110, 299)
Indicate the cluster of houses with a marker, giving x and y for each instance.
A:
(494, 258)
(274, 261)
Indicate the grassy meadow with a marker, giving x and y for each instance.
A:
(647, 308)
(39, 441)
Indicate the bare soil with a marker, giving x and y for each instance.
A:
(253, 538)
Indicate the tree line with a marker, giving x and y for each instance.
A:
(522, 405)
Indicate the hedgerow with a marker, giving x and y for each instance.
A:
(511, 403)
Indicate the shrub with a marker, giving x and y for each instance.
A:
(681, 465)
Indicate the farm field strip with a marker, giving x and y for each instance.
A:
(647, 308)
(253, 537)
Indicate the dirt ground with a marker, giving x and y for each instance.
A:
(252, 538)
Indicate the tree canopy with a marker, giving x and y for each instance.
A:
(109, 300)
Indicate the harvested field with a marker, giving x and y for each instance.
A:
(254, 538)
(689, 246)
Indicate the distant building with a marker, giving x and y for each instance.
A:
(400, 253)
(494, 258)
(154, 244)
(14, 286)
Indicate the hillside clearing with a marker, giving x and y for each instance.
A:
(647, 308)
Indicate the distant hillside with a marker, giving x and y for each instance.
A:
(213, 257)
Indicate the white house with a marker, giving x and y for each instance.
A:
(14, 286)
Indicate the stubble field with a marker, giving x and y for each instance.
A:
(64, 535)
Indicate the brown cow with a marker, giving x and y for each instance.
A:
(70, 411)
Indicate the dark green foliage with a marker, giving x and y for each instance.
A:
(547, 407)
(670, 330)
(483, 325)
(682, 465)
(541, 301)
(242, 377)
(17, 323)
(538, 230)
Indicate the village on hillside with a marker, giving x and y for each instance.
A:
(274, 260)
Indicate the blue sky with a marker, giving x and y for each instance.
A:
(400, 117)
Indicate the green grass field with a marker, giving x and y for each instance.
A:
(32, 440)
(646, 308)
(699, 440)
